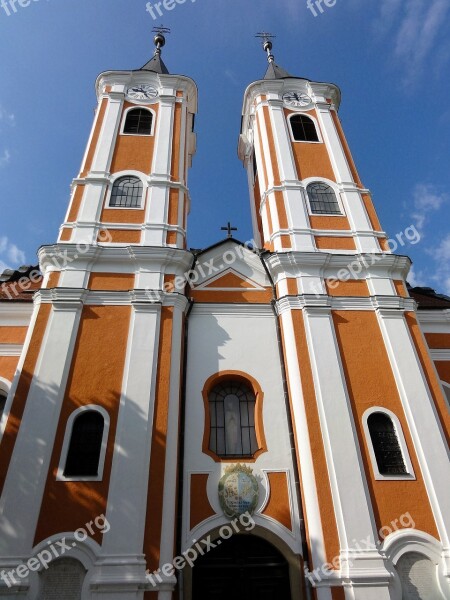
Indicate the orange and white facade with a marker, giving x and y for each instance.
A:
(315, 321)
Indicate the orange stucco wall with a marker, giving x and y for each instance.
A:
(201, 509)
(371, 382)
(95, 378)
(278, 507)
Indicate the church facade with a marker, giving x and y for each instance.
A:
(264, 420)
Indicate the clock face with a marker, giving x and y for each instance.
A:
(297, 99)
(142, 91)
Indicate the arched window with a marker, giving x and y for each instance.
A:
(386, 446)
(126, 193)
(232, 419)
(303, 129)
(85, 445)
(322, 199)
(3, 397)
(138, 121)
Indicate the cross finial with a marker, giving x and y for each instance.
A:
(266, 39)
(229, 229)
(160, 37)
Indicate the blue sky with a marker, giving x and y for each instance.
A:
(391, 59)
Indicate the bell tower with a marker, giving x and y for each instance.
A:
(305, 190)
(104, 350)
(349, 336)
(132, 187)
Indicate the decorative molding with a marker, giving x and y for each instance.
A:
(11, 349)
(442, 354)
(386, 305)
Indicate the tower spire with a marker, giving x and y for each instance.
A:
(266, 39)
(160, 38)
(156, 63)
(273, 71)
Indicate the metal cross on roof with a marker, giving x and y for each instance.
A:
(266, 38)
(229, 229)
(160, 37)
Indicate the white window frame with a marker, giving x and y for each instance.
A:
(316, 124)
(67, 436)
(117, 176)
(124, 118)
(335, 189)
(410, 475)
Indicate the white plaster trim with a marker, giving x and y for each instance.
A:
(394, 303)
(11, 349)
(236, 310)
(401, 441)
(435, 318)
(67, 437)
(440, 354)
(15, 314)
(403, 541)
(86, 553)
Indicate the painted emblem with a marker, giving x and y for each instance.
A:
(238, 491)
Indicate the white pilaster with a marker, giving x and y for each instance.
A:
(422, 418)
(25, 482)
(127, 496)
(167, 544)
(352, 503)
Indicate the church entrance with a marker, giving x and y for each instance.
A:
(243, 567)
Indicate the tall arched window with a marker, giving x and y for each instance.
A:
(138, 121)
(126, 192)
(386, 446)
(232, 419)
(322, 199)
(303, 129)
(85, 445)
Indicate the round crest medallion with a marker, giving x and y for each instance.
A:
(238, 491)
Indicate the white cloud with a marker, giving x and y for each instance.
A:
(5, 157)
(231, 75)
(15, 255)
(427, 199)
(10, 255)
(7, 117)
(415, 278)
(441, 256)
(417, 28)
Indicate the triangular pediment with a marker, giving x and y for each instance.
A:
(230, 266)
(230, 280)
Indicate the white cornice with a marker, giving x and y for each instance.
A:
(317, 263)
(11, 349)
(392, 304)
(432, 317)
(235, 310)
(440, 354)
(167, 84)
(15, 314)
(138, 258)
